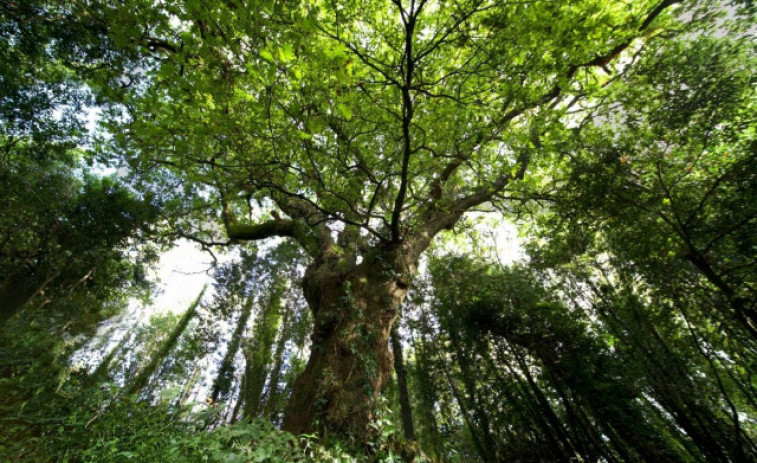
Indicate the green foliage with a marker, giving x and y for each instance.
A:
(620, 135)
(109, 427)
(665, 182)
(65, 231)
(571, 369)
(67, 236)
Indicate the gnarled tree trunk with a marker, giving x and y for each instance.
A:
(354, 308)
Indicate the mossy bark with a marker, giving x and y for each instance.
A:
(354, 310)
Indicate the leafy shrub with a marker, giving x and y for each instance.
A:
(106, 427)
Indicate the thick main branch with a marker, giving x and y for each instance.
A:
(285, 228)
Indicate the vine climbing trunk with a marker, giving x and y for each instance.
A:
(354, 308)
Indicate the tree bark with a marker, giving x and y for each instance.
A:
(354, 308)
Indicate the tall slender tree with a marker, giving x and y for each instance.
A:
(408, 426)
(223, 380)
(142, 378)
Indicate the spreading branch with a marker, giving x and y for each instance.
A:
(286, 228)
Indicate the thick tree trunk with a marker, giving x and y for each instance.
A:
(354, 308)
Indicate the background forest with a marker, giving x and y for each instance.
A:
(348, 167)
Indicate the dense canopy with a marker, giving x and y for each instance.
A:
(350, 162)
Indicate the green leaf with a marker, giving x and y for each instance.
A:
(266, 55)
(344, 111)
(286, 53)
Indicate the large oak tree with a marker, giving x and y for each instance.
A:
(360, 130)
